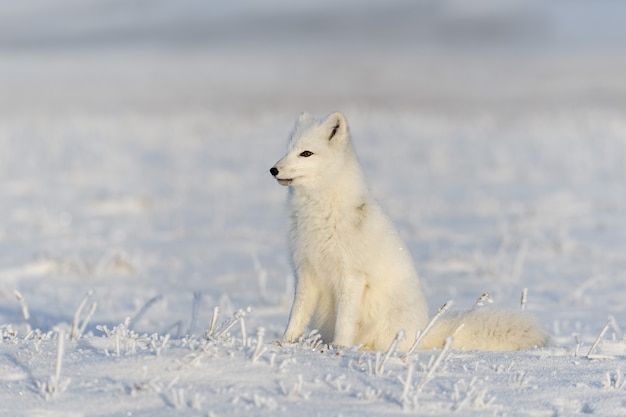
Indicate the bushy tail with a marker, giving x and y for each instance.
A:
(487, 329)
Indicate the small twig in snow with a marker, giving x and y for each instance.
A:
(227, 327)
(117, 344)
(595, 343)
(244, 335)
(20, 299)
(60, 352)
(92, 309)
(155, 345)
(144, 309)
(313, 340)
(258, 350)
(484, 297)
(615, 325)
(79, 309)
(296, 390)
(237, 318)
(76, 330)
(55, 385)
(216, 311)
(197, 299)
(435, 365)
(577, 339)
(612, 383)
(615, 383)
(390, 351)
(420, 335)
(457, 330)
(407, 382)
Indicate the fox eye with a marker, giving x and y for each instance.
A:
(306, 154)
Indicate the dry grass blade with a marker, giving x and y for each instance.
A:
(421, 335)
(595, 343)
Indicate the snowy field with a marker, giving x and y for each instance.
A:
(135, 143)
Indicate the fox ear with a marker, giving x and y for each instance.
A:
(336, 124)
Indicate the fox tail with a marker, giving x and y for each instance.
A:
(488, 330)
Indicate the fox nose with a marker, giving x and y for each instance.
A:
(274, 171)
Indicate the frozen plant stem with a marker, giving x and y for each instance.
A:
(390, 351)
(144, 309)
(595, 343)
(238, 316)
(615, 383)
(79, 309)
(92, 309)
(457, 330)
(216, 311)
(60, 352)
(483, 297)
(420, 336)
(435, 365)
(20, 299)
(227, 328)
(197, 299)
(258, 350)
(523, 299)
(615, 325)
(76, 330)
(54, 385)
(407, 382)
(244, 336)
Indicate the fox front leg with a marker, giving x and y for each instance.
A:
(302, 309)
(348, 310)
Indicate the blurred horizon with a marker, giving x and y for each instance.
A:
(455, 24)
(450, 55)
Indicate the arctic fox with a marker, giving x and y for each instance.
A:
(355, 279)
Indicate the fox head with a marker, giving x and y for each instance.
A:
(318, 150)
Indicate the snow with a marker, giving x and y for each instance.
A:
(135, 144)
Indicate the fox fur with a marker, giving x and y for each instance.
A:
(355, 279)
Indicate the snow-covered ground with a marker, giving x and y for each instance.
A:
(135, 143)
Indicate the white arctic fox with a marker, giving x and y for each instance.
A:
(356, 283)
